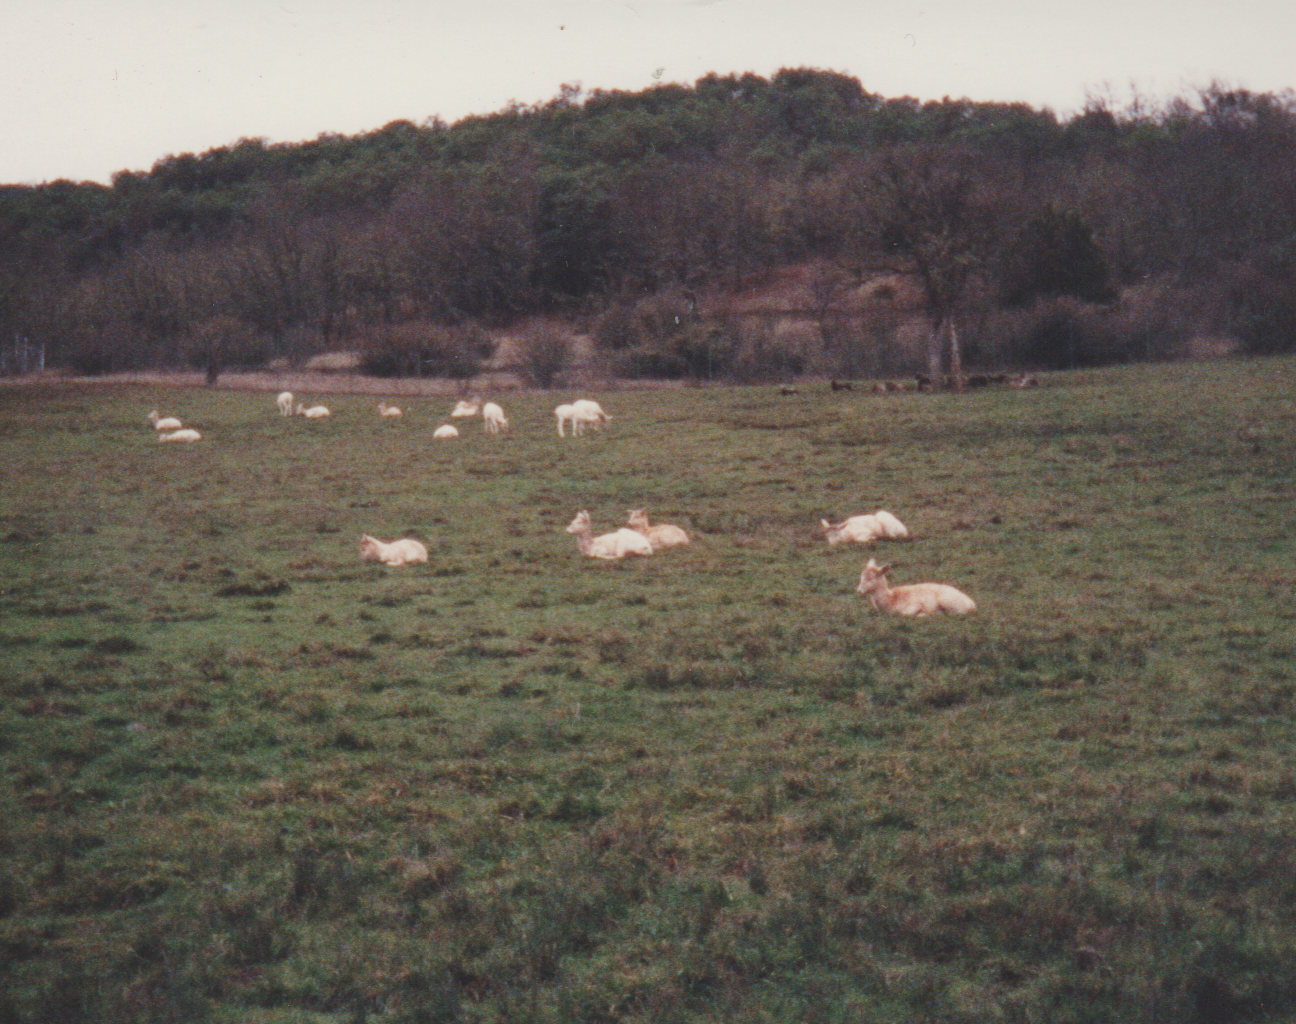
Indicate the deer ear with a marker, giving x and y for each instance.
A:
(884, 569)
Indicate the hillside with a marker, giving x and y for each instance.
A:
(1110, 237)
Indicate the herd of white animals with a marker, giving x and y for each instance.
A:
(638, 537)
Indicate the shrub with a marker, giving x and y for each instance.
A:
(649, 322)
(544, 353)
(419, 349)
(767, 355)
(708, 350)
(1261, 302)
(1054, 255)
(650, 364)
(222, 341)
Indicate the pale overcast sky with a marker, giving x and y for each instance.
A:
(96, 86)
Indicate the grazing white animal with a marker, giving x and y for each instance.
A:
(591, 412)
(610, 545)
(663, 535)
(916, 599)
(562, 414)
(285, 403)
(579, 413)
(465, 407)
(494, 417)
(315, 412)
(388, 412)
(164, 422)
(865, 529)
(181, 435)
(398, 552)
(444, 431)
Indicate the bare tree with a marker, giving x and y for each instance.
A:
(927, 211)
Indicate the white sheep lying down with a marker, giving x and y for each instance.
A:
(865, 529)
(916, 599)
(164, 422)
(398, 552)
(610, 545)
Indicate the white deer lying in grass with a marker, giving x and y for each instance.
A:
(865, 529)
(388, 412)
(315, 412)
(398, 552)
(186, 435)
(164, 422)
(661, 536)
(465, 407)
(610, 545)
(917, 599)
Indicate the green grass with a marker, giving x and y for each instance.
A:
(246, 777)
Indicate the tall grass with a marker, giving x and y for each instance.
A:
(248, 777)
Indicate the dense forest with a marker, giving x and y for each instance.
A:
(1149, 232)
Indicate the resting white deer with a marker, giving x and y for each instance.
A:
(164, 422)
(398, 552)
(865, 529)
(466, 407)
(186, 435)
(388, 412)
(285, 403)
(664, 535)
(916, 599)
(610, 545)
(445, 431)
(315, 412)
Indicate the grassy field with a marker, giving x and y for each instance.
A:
(247, 777)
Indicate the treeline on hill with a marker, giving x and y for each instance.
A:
(1114, 235)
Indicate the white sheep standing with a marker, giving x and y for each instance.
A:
(398, 552)
(916, 599)
(466, 407)
(315, 412)
(388, 412)
(494, 417)
(444, 431)
(164, 422)
(285, 403)
(187, 434)
(865, 529)
(610, 545)
(664, 535)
